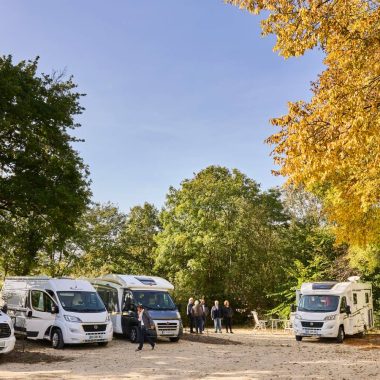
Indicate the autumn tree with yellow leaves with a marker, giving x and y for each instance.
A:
(331, 145)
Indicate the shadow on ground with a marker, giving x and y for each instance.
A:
(24, 353)
(204, 338)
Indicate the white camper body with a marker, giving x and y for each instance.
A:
(7, 336)
(122, 293)
(333, 310)
(60, 310)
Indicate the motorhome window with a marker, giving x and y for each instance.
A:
(15, 298)
(41, 301)
(355, 298)
(109, 298)
(128, 300)
(81, 302)
(318, 303)
(343, 305)
(154, 299)
(366, 298)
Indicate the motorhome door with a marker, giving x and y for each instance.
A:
(39, 317)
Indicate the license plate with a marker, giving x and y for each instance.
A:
(311, 332)
(167, 332)
(94, 337)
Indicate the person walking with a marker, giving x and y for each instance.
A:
(197, 313)
(189, 314)
(216, 316)
(205, 313)
(227, 316)
(145, 322)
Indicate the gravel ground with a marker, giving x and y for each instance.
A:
(242, 355)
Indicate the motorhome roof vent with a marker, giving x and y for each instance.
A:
(146, 280)
(323, 285)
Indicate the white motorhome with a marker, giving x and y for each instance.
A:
(63, 311)
(7, 336)
(122, 293)
(334, 310)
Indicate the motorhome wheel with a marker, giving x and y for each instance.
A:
(57, 339)
(340, 337)
(134, 335)
(298, 338)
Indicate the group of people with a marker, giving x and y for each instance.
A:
(197, 313)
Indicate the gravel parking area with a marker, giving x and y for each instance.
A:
(243, 355)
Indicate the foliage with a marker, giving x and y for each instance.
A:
(43, 181)
(331, 144)
(110, 241)
(220, 238)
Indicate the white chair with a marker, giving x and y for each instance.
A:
(260, 324)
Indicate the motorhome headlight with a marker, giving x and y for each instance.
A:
(72, 318)
(297, 316)
(330, 317)
(108, 318)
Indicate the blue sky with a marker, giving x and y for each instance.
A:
(172, 87)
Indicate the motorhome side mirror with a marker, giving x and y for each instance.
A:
(293, 308)
(29, 313)
(4, 308)
(54, 309)
(348, 309)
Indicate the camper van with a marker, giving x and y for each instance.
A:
(7, 336)
(63, 311)
(334, 309)
(122, 293)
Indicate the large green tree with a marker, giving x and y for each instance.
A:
(220, 238)
(44, 186)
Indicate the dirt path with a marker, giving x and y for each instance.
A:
(243, 355)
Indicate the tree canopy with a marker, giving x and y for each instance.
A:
(44, 186)
(331, 144)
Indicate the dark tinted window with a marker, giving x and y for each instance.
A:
(355, 298)
(81, 302)
(343, 305)
(41, 301)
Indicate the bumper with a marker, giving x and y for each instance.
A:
(169, 328)
(328, 330)
(73, 333)
(7, 344)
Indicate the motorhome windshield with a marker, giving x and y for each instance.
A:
(318, 303)
(81, 302)
(154, 300)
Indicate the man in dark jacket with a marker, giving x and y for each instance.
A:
(145, 322)
(190, 315)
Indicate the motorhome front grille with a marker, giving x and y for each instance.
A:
(94, 328)
(5, 330)
(167, 326)
(314, 325)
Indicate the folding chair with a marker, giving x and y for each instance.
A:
(260, 324)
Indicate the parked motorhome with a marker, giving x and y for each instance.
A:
(122, 293)
(63, 311)
(334, 309)
(7, 336)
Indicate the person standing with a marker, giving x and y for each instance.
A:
(216, 316)
(227, 316)
(205, 313)
(197, 313)
(190, 317)
(145, 321)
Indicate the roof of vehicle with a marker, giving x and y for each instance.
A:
(136, 281)
(332, 287)
(45, 282)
